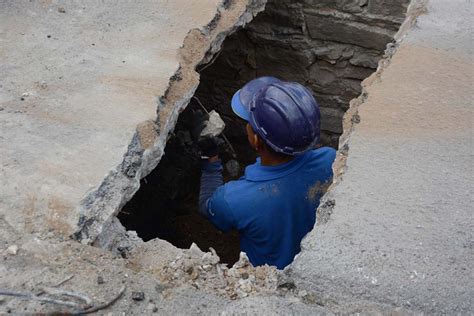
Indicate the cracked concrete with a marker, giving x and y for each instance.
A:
(81, 88)
(400, 233)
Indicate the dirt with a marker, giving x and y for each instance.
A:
(166, 206)
(194, 228)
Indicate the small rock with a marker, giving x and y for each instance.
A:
(25, 94)
(245, 286)
(302, 293)
(288, 286)
(138, 296)
(12, 250)
(195, 251)
(61, 10)
(243, 261)
(100, 280)
(214, 126)
(43, 84)
(210, 259)
(207, 267)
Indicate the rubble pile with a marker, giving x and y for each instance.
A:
(203, 270)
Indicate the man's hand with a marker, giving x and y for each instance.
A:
(209, 147)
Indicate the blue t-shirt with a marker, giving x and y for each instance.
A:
(273, 207)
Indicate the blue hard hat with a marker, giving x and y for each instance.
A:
(286, 116)
(241, 99)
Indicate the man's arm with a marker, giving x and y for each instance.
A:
(211, 179)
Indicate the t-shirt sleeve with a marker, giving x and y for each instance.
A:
(219, 211)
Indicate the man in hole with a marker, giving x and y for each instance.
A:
(273, 206)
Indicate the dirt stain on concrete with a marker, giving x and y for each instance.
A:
(29, 211)
(57, 214)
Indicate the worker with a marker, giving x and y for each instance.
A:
(273, 206)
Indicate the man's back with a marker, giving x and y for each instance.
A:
(274, 207)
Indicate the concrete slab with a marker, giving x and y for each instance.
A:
(80, 87)
(401, 231)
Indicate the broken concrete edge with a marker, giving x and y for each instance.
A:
(351, 117)
(97, 224)
(203, 270)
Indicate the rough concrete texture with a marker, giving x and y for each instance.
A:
(81, 86)
(401, 231)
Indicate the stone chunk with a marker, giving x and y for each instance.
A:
(138, 296)
(334, 29)
(289, 15)
(352, 6)
(331, 120)
(214, 126)
(12, 250)
(100, 280)
(367, 59)
(395, 8)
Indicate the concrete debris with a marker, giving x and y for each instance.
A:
(203, 271)
(214, 126)
(138, 296)
(12, 250)
(100, 280)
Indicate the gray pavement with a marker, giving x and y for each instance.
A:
(79, 94)
(401, 231)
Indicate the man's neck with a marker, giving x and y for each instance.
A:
(268, 159)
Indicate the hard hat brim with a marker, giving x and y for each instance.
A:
(239, 108)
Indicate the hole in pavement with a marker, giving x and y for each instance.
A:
(329, 54)
(166, 205)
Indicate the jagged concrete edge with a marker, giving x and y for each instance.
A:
(350, 120)
(100, 205)
(351, 117)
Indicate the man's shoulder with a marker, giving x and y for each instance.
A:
(324, 155)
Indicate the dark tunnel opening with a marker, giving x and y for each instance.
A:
(166, 206)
